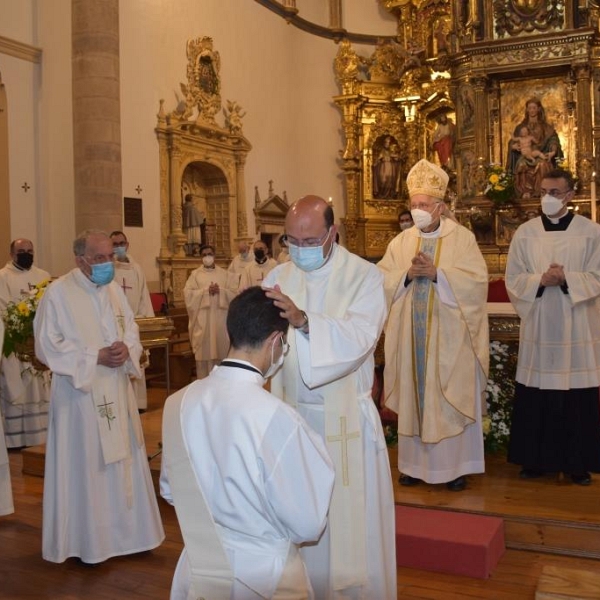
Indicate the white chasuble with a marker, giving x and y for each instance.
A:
(328, 376)
(435, 383)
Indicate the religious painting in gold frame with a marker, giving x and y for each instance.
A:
(552, 93)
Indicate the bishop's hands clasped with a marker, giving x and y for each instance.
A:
(555, 275)
(289, 311)
(213, 288)
(114, 355)
(422, 266)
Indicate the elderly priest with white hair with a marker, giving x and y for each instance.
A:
(436, 340)
(99, 499)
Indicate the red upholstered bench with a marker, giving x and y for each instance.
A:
(448, 542)
(497, 291)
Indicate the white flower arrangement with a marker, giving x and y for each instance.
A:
(500, 391)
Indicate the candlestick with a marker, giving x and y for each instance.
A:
(593, 199)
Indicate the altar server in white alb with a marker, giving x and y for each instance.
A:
(436, 338)
(99, 499)
(207, 296)
(335, 303)
(24, 393)
(6, 498)
(553, 280)
(130, 276)
(248, 477)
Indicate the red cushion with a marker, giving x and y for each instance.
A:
(159, 302)
(497, 291)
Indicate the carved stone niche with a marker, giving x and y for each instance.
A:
(202, 189)
(269, 217)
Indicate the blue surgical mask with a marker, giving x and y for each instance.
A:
(309, 258)
(103, 273)
(120, 252)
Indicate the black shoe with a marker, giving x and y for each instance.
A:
(531, 473)
(581, 478)
(458, 484)
(408, 480)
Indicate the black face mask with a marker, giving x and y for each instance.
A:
(259, 254)
(24, 260)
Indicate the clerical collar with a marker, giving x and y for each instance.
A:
(560, 224)
(240, 364)
(261, 262)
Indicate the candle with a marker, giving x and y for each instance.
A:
(593, 200)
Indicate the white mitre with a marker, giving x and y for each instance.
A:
(427, 178)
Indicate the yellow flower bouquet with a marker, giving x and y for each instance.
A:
(500, 186)
(18, 325)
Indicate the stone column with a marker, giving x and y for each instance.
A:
(242, 223)
(96, 114)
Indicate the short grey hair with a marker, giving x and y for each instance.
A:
(80, 243)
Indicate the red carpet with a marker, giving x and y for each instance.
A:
(448, 542)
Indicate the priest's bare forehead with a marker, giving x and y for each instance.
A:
(80, 243)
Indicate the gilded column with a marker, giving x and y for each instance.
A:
(481, 116)
(585, 148)
(96, 114)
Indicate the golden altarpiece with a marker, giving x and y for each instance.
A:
(202, 188)
(454, 87)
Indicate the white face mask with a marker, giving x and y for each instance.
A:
(405, 226)
(551, 205)
(276, 364)
(422, 218)
(310, 258)
(208, 261)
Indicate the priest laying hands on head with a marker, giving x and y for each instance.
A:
(335, 305)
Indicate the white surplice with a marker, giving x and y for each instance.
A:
(444, 439)
(207, 316)
(6, 498)
(254, 274)
(24, 395)
(559, 338)
(131, 279)
(328, 376)
(265, 475)
(99, 499)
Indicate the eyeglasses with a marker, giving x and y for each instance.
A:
(554, 192)
(310, 242)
